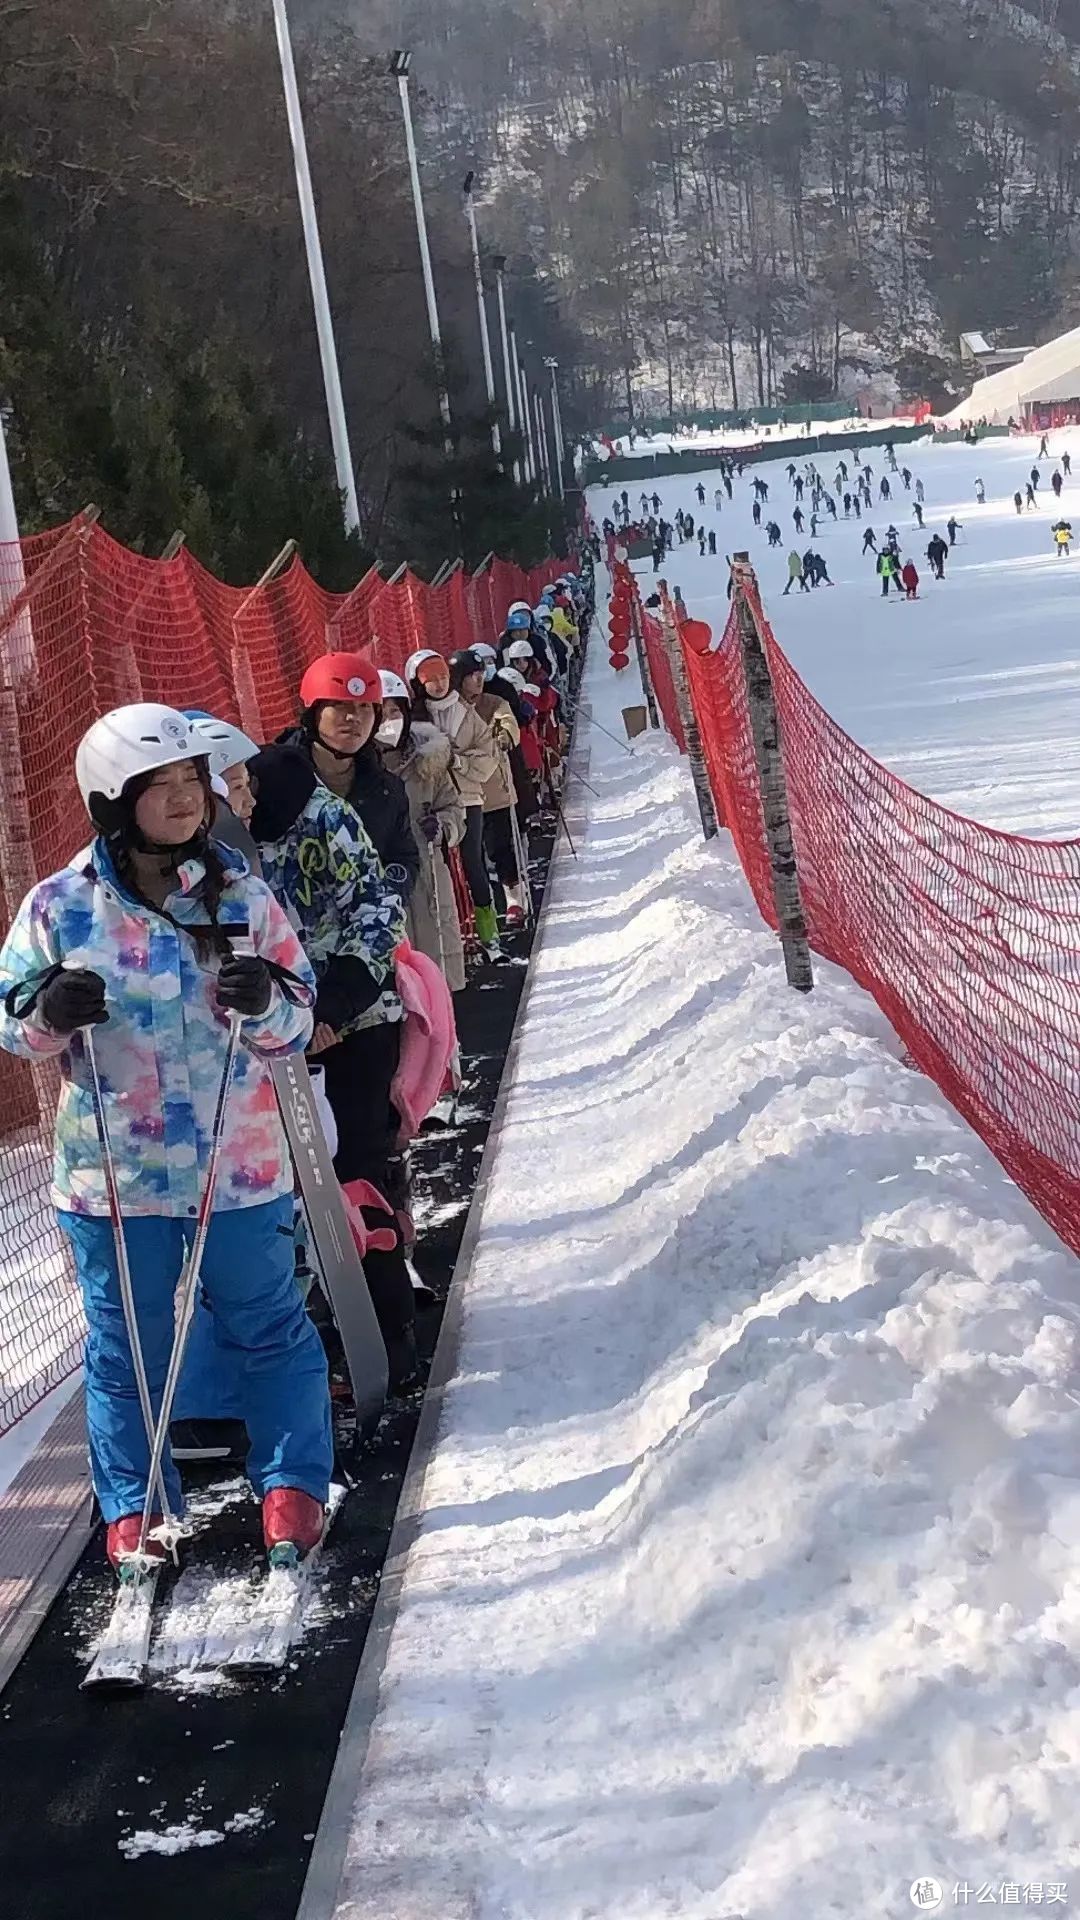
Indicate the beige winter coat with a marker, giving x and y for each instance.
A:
(475, 755)
(499, 791)
(425, 767)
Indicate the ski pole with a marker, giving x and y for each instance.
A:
(190, 1281)
(565, 828)
(438, 909)
(522, 862)
(123, 1268)
(594, 722)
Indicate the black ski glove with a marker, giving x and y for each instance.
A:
(74, 999)
(244, 985)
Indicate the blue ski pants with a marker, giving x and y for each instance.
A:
(259, 1324)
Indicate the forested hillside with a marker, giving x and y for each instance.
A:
(157, 349)
(725, 191)
(703, 202)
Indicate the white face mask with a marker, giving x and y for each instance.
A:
(490, 670)
(391, 730)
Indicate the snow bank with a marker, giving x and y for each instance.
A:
(746, 1575)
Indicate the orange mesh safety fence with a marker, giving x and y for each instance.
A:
(86, 625)
(967, 938)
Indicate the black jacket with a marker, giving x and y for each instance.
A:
(381, 801)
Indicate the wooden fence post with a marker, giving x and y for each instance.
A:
(772, 779)
(642, 656)
(699, 772)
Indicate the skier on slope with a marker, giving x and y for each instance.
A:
(1018, 502)
(795, 573)
(756, 511)
(798, 518)
(1063, 534)
(869, 541)
(906, 478)
(917, 508)
(937, 553)
(952, 527)
(909, 574)
(1057, 483)
(147, 917)
(700, 491)
(980, 493)
(888, 570)
(920, 493)
(1066, 464)
(1030, 494)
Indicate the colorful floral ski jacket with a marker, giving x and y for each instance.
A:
(162, 1051)
(328, 877)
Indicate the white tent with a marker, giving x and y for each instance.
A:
(1049, 373)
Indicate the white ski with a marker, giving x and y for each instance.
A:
(268, 1634)
(123, 1652)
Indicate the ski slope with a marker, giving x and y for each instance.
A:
(973, 692)
(742, 1578)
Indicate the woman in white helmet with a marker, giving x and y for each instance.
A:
(229, 751)
(422, 757)
(136, 939)
(475, 759)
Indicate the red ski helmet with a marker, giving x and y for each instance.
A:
(342, 676)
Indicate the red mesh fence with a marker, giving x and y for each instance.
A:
(968, 938)
(86, 625)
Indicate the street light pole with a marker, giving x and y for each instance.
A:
(481, 307)
(499, 264)
(531, 469)
(324, 325)
(542, 440)
(556, 420)
(399, 67)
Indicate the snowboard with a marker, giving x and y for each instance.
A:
(331, 1239)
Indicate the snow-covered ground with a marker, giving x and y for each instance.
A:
(973, 692)
(707, 437)
(746, 1575)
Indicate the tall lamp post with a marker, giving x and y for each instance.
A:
(400, 62)
(552, 366)
(509, 383)
(481, 308)
(324, 325)
(532, 469)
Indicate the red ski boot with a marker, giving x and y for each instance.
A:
(123, 1538)
(292, 1524)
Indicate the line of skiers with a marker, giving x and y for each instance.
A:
(237, 904)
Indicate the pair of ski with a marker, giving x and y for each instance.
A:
(227, 1624)
(255, 1633)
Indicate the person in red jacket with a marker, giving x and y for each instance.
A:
(910, 578)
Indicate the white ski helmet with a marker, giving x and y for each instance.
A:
(485, 652)
(225, 745)
(519, 650)
(519, 606)
(542, 614)
(393, 686)
(416, 660)
(129, 741)
(517, 680)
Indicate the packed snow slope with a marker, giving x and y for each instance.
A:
(972, 693)
(745, 1575)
